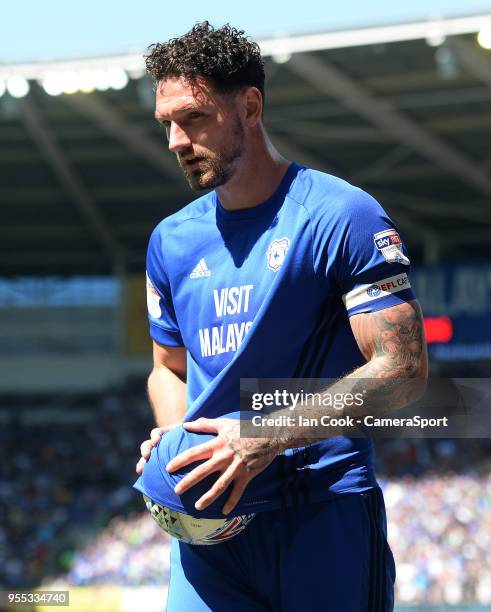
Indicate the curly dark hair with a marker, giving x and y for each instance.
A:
(224, 55)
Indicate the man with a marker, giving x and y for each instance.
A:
(278, 272)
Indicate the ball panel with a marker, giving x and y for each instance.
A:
(195, 530)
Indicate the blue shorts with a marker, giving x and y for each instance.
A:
(331, 556)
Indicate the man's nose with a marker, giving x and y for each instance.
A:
(178, 139)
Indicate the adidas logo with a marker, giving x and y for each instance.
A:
(201, 270)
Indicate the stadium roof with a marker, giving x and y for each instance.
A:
(85, 177)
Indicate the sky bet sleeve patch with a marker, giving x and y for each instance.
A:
(389, 244)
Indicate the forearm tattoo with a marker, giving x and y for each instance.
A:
(392, 340)
(398, 336)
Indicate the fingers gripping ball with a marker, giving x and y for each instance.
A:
(193, 530)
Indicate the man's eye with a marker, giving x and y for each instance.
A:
(195, 115)
(166, 126)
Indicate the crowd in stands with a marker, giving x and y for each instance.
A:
(130, 551)
(440, 533)
(60, 483)
(68, 512)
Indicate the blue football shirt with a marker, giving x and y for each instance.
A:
(267, 292)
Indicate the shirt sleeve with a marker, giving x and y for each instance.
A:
(164, 327)
(367, 257)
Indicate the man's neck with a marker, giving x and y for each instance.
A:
(256, 179)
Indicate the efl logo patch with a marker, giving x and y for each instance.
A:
(389, 243)
(373, 291)
(277, 252)
(364, 294)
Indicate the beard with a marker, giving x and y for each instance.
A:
(218, 168)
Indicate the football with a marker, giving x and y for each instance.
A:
(193, 530)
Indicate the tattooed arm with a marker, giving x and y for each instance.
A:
(393, 343)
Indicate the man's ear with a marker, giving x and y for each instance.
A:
(252, 104)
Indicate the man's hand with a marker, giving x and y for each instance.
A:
(146, 447)
(237, 459)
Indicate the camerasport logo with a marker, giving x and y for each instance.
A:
(389, 243)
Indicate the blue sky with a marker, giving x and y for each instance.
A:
(57, 29)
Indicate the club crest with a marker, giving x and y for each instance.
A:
(277, 253)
